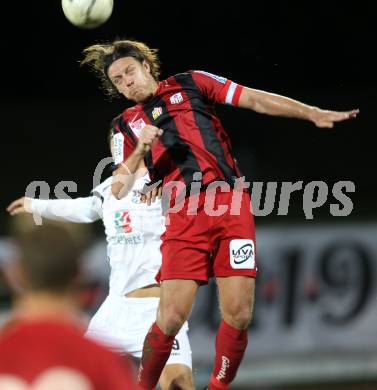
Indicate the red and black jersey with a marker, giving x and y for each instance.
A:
(193, 139)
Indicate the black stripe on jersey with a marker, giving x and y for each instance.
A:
(205, 125)
(126, 129)
(178, 150)
(149, 164)
(113, 125)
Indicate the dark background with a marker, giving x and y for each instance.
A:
(54, 118)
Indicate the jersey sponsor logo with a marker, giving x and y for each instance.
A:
(176, 98)
(157, 111)
(137, 126)
(118, 142)
(129, 239)
(124, 234)
(220, 79)
(242, 254)
(122, 221)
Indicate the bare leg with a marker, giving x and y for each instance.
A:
(236, 294)
(176, 377)
(176, 300)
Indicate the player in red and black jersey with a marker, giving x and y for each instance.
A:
(194, 139)
(173, 130)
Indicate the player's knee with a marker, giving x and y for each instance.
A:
(182, 381)
(243, 319)
(171, 321)
(239, 316)
(177, 377)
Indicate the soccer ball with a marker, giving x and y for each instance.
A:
(87, 13)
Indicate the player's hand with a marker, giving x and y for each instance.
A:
(148, 136)
(20, 206)
(150, 193)
(326, 118)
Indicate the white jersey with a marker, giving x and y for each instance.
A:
(132, 228)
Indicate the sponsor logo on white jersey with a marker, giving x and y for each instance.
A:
(137, 126)
(127, 239)
(220, 79)
(176, 98)
(122, 221)
(242, 254)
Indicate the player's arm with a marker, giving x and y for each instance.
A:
(272, 104)
(125, 175)
(80, 210)
(221, 90)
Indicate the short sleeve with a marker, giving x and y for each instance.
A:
(124, 141)
(216, 88)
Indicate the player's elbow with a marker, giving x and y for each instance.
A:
(119, 190)
(250, 99)
(255, 105)
(115, 190)
(256, 100)
(258, 105)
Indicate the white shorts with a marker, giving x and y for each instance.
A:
(122, 323)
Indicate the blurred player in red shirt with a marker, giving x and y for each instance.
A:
(173, 130)
(42, 345)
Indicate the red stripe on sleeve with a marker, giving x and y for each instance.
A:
(237, 94)
(224, 91)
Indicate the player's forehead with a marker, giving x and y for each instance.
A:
(118, 66)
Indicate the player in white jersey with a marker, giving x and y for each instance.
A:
(133, 231)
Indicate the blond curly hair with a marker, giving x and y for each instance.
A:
(100, 56)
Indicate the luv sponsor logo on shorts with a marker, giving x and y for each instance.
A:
(242, 254)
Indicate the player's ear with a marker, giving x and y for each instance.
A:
(146, 66)
(15, 278)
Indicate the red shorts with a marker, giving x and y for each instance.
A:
(199, 246)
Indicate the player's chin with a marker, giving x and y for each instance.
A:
(140, 96)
